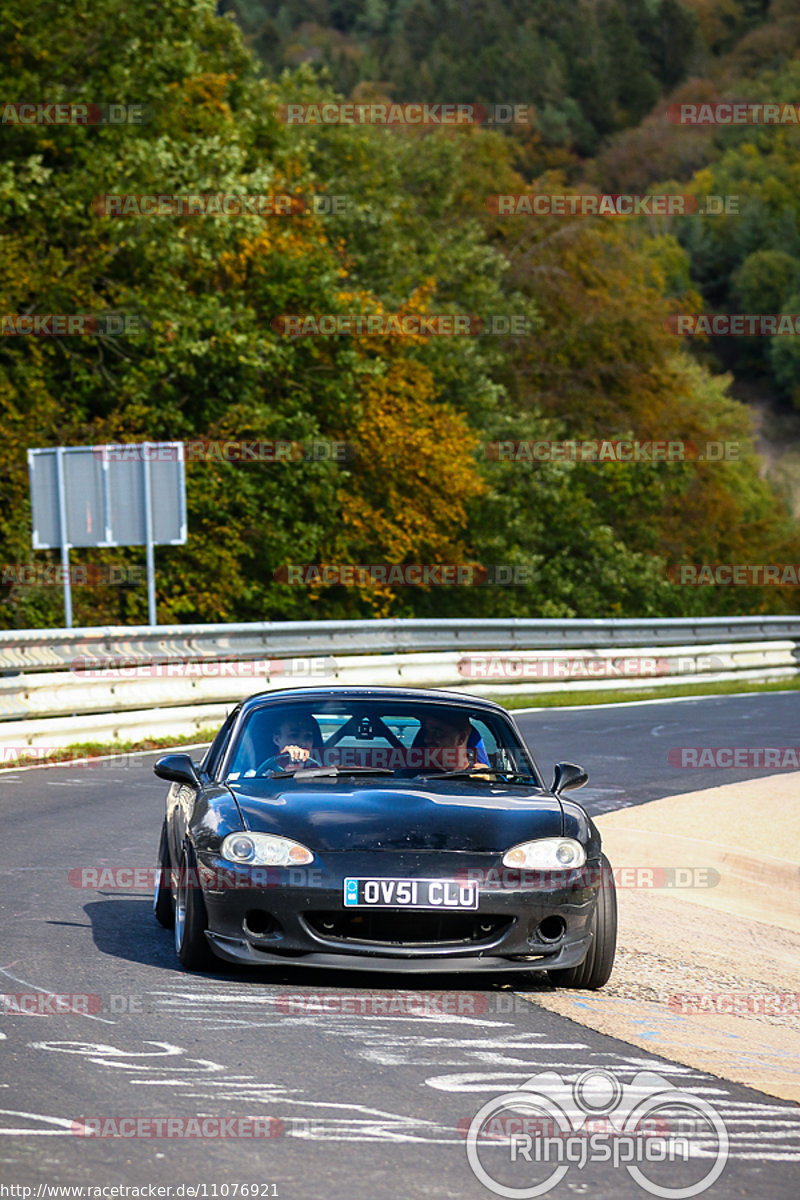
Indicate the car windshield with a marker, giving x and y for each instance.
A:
(403, 739)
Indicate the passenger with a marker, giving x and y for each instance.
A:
(452, 741)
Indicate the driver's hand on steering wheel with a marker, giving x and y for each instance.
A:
(297, 754)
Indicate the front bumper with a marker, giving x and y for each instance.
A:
(239, 950)
(297, 917)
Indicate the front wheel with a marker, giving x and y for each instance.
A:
(595, 969)
(162, 898)
(191, 921)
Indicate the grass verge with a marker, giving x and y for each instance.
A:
(732, 687)
(87, 751)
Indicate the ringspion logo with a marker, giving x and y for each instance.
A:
(523, 1143)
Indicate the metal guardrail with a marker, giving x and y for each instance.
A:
(63, 686)
(43, 649)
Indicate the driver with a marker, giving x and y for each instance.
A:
(295, 738)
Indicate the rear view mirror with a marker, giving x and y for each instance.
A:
(177, 768)
(567, 776)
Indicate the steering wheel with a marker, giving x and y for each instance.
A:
(282, 762)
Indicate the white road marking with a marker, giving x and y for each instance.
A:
(111, 1056)
(46, 992)
(64, 1124)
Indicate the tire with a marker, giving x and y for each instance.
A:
(595, 969)
(191, 920)
(163, 905)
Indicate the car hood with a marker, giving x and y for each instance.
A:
(332, 816)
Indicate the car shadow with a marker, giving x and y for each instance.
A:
(125, 928)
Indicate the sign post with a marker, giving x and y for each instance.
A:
(62, 534)
(125, 494)
(147, 492)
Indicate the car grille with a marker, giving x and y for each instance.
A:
(408, 928)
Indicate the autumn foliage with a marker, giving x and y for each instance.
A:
(413, 236)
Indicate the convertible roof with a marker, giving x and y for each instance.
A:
(350, 692)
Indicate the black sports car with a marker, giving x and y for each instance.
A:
(381, 829)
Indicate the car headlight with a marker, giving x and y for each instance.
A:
(546, 854)
(264, 850)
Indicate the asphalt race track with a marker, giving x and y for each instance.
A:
(366, 1089)
(625, 747)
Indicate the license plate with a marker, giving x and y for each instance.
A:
(409, 893)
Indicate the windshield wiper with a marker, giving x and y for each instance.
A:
(481, 771)
(329, 772)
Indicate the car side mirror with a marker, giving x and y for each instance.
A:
(177, 768)
(567, 776)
